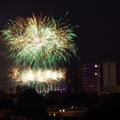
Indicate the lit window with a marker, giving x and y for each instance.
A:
(95, 65)
(63, 110)
(85, 68)
(71, 106)
(60, 110)
(96, 73)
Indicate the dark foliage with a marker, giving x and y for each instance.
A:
(30, 104)
(109, 109)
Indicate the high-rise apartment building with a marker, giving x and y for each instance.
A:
(74, 79)
(91, 78)
(70, 81)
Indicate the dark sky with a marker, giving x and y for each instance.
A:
(99, 24)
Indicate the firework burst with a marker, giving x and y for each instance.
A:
(39, 41)
(31, 75)
(41, 80)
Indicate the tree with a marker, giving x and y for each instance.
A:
(31, 104)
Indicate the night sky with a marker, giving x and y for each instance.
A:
(98, 34)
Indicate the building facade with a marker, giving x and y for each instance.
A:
(91, 78)
(94, 78)
(85, 78)
(111, 77)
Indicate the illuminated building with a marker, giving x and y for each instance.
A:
(66, 111)
(91, 78)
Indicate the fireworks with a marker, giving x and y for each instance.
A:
(39, 41)
(46, 80)
(42, 43)
(28, 75)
